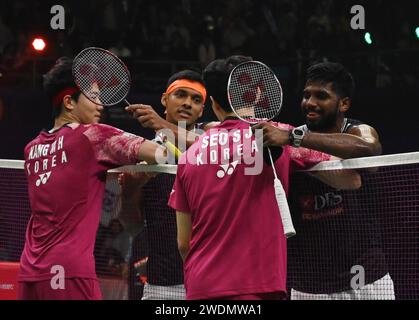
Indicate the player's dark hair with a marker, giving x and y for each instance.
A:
(59, 77)
(216, 76)
(330, 72)
(190, 75)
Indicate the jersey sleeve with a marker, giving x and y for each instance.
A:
(112, 146)
(303, 158)
(178, 199)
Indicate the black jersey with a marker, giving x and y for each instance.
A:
(165, 265)
(336, 232)
(347, 124)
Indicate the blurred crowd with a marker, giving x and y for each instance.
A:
(275, 31)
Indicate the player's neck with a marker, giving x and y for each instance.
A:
(62, 120)
(337, 127)
(190, 127)
(228, 116)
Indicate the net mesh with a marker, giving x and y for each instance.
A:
(96, 66)
(254, 92)
(349, 239)
(148, 260)
(14, 213)
(344, 238)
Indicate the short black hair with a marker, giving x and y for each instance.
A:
(216, 76)
(190, 75)
(336, 74)
(59, 77)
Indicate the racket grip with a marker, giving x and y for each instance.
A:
(172, 148)
(284, 210)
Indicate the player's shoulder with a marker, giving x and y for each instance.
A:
(100, 132)
(204, 126)
(93, 128)
(351, 123)
(101, 127)
(354, 126)
(30, 144)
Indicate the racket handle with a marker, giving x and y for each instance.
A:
(172, 148)
(284, 210)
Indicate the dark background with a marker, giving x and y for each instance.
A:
(157, 38)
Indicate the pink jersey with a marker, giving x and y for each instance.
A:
(237, 245)
(66, 172)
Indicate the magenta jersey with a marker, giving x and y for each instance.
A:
(66, 172)
(237, 245)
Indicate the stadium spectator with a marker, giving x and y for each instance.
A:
(206, 51)
(235, 36)
(120, 49)
(5, 34)
(112, 249)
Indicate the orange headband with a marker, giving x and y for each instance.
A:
(183, 83)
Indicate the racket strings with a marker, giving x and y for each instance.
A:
(101, 76)
(254, 92)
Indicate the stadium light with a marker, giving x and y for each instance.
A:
(39, 44)
(417, 32)
(368, 38)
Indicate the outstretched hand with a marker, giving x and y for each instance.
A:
(272, 136)
(130, 182)
(146, 116)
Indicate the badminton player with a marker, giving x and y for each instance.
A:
(334, 243)
(229, 229)
(183, 100)
(66, 169)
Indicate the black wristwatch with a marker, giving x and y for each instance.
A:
(296, 136)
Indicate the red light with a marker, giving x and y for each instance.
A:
(39, 44)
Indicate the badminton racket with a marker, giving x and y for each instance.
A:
(255, 95)
(104, 79)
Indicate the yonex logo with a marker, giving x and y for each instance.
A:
(43, 178)
(227, 168)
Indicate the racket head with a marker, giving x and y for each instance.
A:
(254, 92)
(101, 76)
